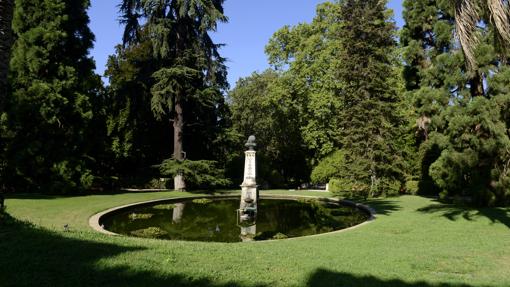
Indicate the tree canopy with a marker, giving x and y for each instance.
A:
(55, 92)
(461, 125)
(342, 102)
(170, 66)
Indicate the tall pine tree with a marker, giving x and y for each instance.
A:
(368, 118)
(54, 89)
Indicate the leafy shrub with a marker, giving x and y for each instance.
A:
(476, 162)
(411, 187)
(328, 168)
(337, 186)
(348, 187)
(386, 187)
(158, 183)
(68, 177)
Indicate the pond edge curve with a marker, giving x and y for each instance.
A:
(94, 220)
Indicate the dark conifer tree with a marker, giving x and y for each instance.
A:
(137, 139)
(6, 12)
(55, 94)
(6, 40)
(187, 86)
(428, 52)
(460, 108)
(368, 117)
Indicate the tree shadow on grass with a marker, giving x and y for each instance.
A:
(326, 278)
(32, 256)
(454, 212)
(383, 206)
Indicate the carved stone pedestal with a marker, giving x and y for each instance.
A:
(249, 193)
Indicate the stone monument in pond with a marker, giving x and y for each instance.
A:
(249, 193)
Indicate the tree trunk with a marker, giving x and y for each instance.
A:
(179, 182)
(476, 84)
(6, 39)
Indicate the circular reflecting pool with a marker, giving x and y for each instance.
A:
(206, 219)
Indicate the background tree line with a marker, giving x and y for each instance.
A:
(348, 100)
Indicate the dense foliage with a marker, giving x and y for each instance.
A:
(55, 100)
(174, 65)
(310, 56)
(368, 121)
(462, 129)
(6, 39)
(329, 168)
(341, 102)
(137, 139)
(334, 87)
(263, 105)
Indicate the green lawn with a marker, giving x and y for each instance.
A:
(413, 242)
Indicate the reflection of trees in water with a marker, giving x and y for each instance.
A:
(211, 221)
(336, 216)
(217, 220)
(307, 217)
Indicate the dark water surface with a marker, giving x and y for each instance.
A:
(216, 220)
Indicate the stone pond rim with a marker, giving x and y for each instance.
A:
(94, 220)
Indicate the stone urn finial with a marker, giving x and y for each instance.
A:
(250, 144)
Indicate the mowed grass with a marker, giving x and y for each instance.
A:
(413, 242)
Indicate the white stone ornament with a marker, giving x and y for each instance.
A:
(249, 193)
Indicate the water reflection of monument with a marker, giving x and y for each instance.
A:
(247, 213)
(177, 212)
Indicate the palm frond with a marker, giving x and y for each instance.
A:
(500, 17)
(466, 19)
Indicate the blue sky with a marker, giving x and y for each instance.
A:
(251, 24)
